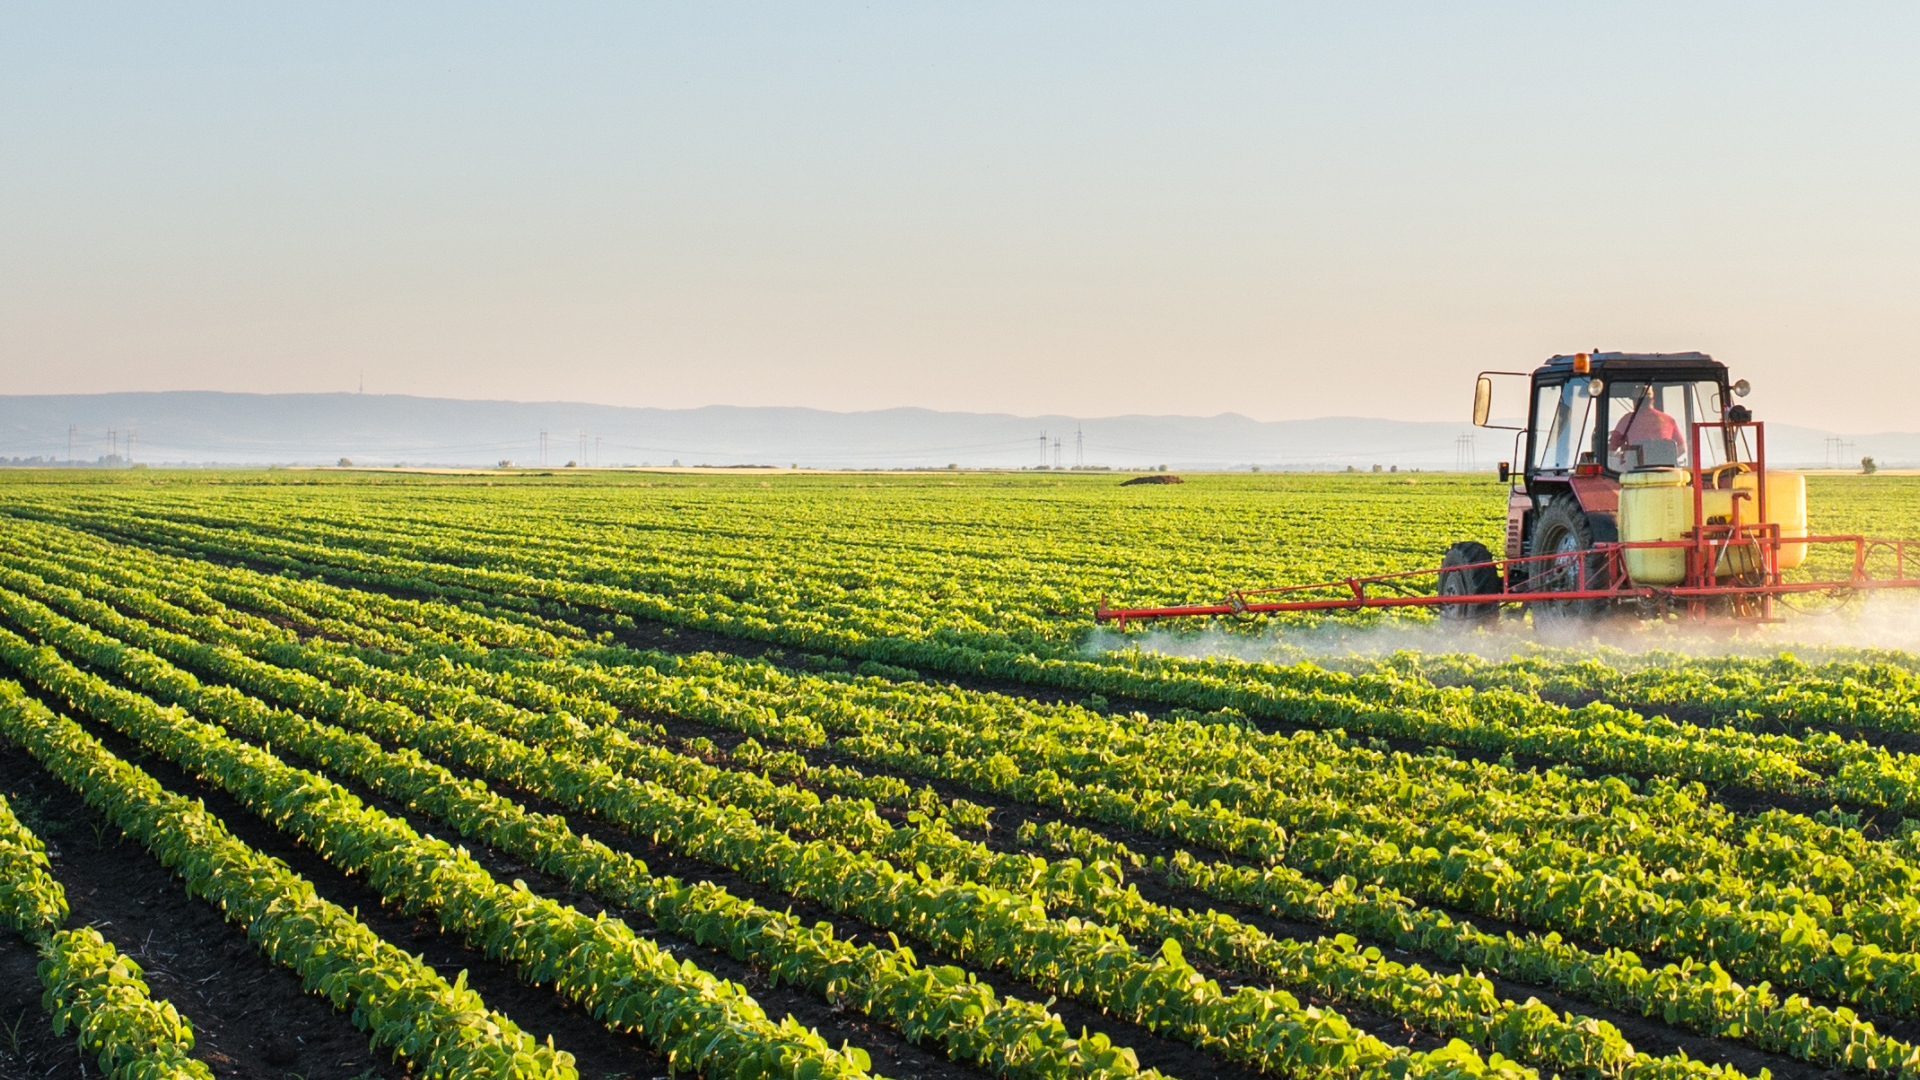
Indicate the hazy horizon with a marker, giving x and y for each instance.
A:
(211, 426)
(1281, 212)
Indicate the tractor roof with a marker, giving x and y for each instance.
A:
(1697, 364)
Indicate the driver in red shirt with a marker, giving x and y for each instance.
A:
(1646, 422)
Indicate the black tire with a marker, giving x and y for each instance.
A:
(1563, 531)
(1478, 581)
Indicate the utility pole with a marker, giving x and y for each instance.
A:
(1079, 447)
(1839, 452)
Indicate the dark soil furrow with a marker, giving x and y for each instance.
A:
(1170, 1056)
(250, 1016)
(1648, 1035)
(598, 1051)
(892, 1053)
(682, 640)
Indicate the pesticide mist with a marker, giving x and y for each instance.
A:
(1881, 624)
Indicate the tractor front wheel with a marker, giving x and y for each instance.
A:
(1471, 581)
(1564, 534)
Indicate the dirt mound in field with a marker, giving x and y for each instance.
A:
(1159, 478)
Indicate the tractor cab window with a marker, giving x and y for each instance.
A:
(1563, 419)
(1651, 424)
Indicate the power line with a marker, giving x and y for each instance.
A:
(1463, 457)
(1839, 452)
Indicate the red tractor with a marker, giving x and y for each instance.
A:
(1643, 490)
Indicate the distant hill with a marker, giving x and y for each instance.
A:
(196, 427)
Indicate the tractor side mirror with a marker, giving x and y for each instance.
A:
(1482, 401)
(1506, 472)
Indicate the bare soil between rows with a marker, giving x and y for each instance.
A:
(892, 1053)
(1647, 1034)
(250, 1016)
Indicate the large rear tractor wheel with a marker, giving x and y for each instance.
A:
(1564, 533)
(1472, 581)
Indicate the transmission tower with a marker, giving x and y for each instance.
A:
(1043, 449)
(543, 448)
(1463, 458)
(71, 430)
(1079, 447)
(596, 451)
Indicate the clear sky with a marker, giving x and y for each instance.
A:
(1280, 210)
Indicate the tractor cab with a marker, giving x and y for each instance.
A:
(1592, 417)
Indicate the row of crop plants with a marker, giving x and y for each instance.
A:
(1817, 761)
(879, 576)
(1873, 690)
(700, 1022)
(972, 557)
(1239, 736)
(993, 927)
(1529, 957)
(1814, 765)
(404, 1005)
(90, 987)
(1011, 1037)
(961, 567)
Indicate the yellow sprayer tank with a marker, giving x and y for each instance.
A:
(1657, 504)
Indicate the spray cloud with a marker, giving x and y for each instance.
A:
(1879, 624)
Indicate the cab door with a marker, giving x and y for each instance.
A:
(1560, 429)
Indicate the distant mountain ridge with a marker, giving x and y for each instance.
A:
(207, 427)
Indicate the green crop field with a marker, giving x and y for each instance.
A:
(737, 775)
